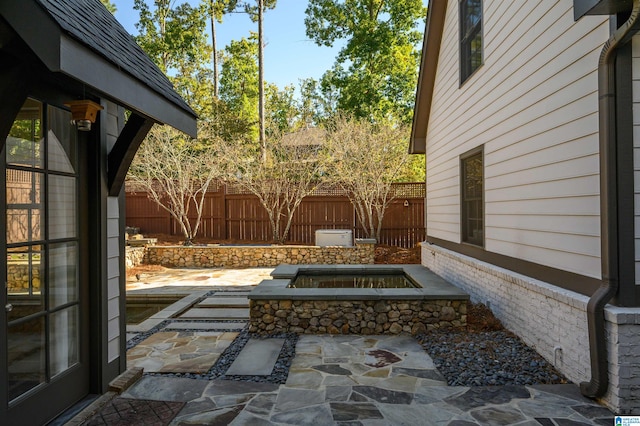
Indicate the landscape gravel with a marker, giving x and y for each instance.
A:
(487, 358)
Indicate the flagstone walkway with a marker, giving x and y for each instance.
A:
(332, 380)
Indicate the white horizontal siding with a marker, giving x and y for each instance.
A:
(533, 105)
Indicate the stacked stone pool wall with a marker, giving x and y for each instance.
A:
(355, 316)
(433, 303)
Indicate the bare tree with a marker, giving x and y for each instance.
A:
(366, 158)
(291, 172)
(176, 172)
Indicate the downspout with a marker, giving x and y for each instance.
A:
(599, 383)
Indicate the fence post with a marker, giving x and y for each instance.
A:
(224, 211)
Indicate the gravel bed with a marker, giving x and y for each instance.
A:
(487, 358)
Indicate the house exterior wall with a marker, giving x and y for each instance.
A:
(114, 239)
(533, 106)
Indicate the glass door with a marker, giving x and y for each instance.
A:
(43, 303)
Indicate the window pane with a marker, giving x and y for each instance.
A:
(472, 199)
(61, 141)
(64, 339)
(24, 143)
(62, 207)
(26, 356)
(63, 277)
(25, 270)
(24, 206)
(470, 37)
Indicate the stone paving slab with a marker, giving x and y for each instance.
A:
(232, 293)
(257, 358)
(179, 351)
(188, 325)
(213, 302)
(216, 313)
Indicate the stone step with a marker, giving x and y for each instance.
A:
(187, 325)
(216, 313)
(224, 302)
(257, 358)
(231, 293)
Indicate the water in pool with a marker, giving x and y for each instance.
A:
(351, 280)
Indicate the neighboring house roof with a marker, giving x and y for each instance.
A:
(426, 79)
(115, 65)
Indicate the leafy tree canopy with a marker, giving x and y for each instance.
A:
(175, 38)
(239, 78)
(375, 73)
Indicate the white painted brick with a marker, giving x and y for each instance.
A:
(546, 316)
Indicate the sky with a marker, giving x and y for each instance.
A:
(289, 54)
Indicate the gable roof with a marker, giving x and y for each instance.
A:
(436, 11)
(80, 38)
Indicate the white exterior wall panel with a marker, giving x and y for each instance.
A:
(533, 105)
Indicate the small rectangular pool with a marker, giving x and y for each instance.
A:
(355, 299)
(346, 279)
(141, 308)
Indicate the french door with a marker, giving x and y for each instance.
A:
(45, 301)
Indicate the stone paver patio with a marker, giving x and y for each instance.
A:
(333, 380)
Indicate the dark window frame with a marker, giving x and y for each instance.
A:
(472, 199)
(471, 38)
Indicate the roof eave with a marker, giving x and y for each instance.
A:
(60, 53)
(426, 79)
(83, 64)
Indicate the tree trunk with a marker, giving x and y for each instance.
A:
(263, 143)
(214, 54)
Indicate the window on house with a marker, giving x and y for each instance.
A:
(472, 200)
(470, 37)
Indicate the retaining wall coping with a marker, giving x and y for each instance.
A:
(433, 286)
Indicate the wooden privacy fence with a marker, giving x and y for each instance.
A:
(231, 214)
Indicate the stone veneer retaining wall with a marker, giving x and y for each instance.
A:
(18, 277)
(257, 256)
(552, 320)
(134, 256)
(355, 316)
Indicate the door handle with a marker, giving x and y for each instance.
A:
(8, 307)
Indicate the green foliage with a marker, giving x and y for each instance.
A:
(375, 74)
(281, 108)
(110, 6)
(252, 9)
(175, 39)
(218, 8)
(239, 79)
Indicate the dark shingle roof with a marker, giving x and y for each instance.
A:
(94, 26)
